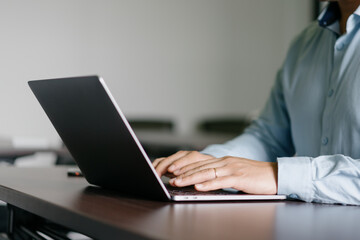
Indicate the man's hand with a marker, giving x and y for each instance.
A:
(208, 173)
(177, 161)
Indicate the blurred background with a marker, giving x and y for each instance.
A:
(182, 62)
(186, 73)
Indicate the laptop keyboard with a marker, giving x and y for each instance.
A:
(186, 191)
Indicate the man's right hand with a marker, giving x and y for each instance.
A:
(176, 163)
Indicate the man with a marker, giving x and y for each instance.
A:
(306, 142)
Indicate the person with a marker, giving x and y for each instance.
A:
(306, 142)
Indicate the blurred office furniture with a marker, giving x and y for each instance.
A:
(195, 141)
(25, 156)
(10, 155)
(64, 157)
(157, 136)
(25, 151)
(152, 124)
(232, 125)
(12, 151)
(153, 127)
(160, 140)
(6, 154)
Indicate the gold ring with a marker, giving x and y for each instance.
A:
(216, 176)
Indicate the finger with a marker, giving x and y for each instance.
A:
(217, 183)
(190, 158)
(176, 155)
(195, 165)
(163, 165)
(198, 177)
(210, 165)
(157, 161)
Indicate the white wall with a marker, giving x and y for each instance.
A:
(183, 59)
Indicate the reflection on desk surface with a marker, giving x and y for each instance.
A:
(234, 220)
(317, 221)
(162, 220)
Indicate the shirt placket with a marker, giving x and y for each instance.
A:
(327, 123)
(335, 78)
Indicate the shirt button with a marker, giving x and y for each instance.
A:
(325, 140)
(293, 195)
(340, 46)
(331, 92)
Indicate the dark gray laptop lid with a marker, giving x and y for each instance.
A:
(97, 135)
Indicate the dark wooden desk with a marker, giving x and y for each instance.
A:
(104, 214)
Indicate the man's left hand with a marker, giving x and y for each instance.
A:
(245, 175)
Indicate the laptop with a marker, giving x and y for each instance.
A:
(103, 144)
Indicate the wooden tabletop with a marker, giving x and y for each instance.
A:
(104, 214)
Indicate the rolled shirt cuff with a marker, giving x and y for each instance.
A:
(295, 178)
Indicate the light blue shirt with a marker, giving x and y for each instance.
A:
(311, 122)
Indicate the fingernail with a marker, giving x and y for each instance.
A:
(171, 168)
(171, 181)
(176, 172)
(199, 185)
(178, 180)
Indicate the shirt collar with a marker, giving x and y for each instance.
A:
(329, 15)
(357, 11)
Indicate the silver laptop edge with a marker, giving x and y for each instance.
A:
(232, 197)
(133, 136)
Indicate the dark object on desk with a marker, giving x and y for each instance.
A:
(74, 172)
(227, 125)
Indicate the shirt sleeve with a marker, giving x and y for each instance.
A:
(267, 138)
(324, 179)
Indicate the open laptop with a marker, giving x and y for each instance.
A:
(100, 139)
